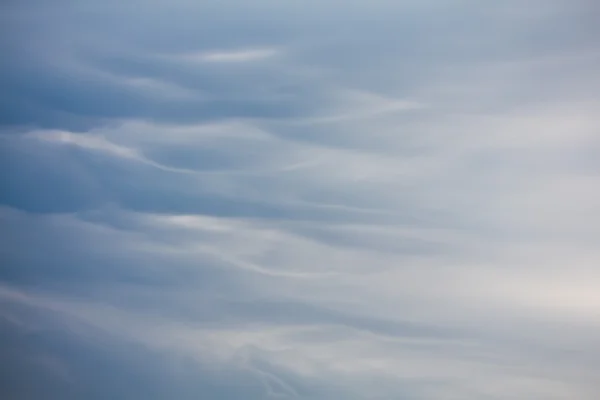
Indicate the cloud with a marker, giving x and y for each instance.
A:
(236, 56)
(262, 200)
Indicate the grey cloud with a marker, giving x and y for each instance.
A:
(46, 363)
(123, 260)
(67, 70)
(307, 201)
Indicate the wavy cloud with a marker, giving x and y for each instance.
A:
(326, 200)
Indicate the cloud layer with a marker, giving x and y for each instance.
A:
(326, 200)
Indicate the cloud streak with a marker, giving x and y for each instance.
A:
(271, 201)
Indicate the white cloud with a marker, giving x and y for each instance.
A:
(91, 142)
(233, 56)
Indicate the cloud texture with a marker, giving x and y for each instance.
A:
(300, 200)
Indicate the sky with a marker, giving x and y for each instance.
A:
(311, 200)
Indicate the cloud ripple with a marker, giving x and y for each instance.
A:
(333, 200)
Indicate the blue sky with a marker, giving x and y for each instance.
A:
(300, 200)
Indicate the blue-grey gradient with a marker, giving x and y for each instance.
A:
(317, 199)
